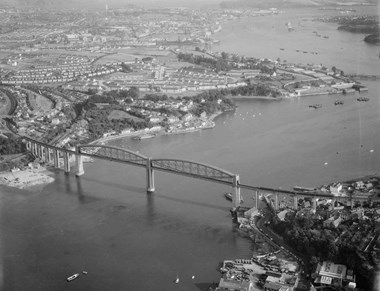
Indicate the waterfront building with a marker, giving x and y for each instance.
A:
(234, 285)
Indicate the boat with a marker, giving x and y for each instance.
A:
(303, 189)
(228, 196)
(315, 106)
(338, 102)
(144, 136)
(72, 277)
(176, 280)
(282, 49)
(365, 99)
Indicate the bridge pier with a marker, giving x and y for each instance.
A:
(34, 149)
(79, 171)
(257, 199)
(295, 202)
(237, 197)
(39, 149)
(56, 158)
(276, 204)
(149, 176)
(46, 156)
(66, 162)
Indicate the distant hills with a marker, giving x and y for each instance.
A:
(94, 4)
(291, 3)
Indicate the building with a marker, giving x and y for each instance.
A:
(234, 285)
(333, 274)
(280, 282)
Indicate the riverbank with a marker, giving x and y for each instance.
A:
(241, 97)
(25, 179)
(158, 132)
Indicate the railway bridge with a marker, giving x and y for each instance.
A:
(61, 158)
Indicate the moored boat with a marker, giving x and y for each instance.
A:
(228, 196)
(72, 277)
(144, 136)
(304, 189)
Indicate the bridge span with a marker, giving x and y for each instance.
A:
(61, 158)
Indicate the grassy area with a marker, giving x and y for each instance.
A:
(119, 114)
(40, 103)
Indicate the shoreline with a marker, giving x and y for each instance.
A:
(26, 179)
(159, 132)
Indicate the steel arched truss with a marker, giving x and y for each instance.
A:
(113, 153)
(194, 169)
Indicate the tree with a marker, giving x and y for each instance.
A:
(224, 55)
(134, 92)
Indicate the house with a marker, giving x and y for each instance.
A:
(332, 222)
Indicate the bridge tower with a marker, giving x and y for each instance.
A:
(236, 188)
(149, 176)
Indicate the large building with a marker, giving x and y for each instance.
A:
(334, 274)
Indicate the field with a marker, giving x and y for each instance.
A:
(130, 54)
(40, 103)
(118, 114)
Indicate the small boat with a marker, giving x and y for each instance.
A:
(315, 106)
(282, 49)
(176, 280)
(303, 189)
(144, 136)
(228, 196)
(72, 277)
(84, 272)
(338, 102)
(361, 99)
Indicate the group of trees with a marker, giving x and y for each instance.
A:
(259, 89)
(13, 99)
(341, 245)
(219, 64)
(11, 145)
(99, 122)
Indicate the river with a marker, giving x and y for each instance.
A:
(106, 224)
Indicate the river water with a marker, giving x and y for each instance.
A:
(106, 224)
